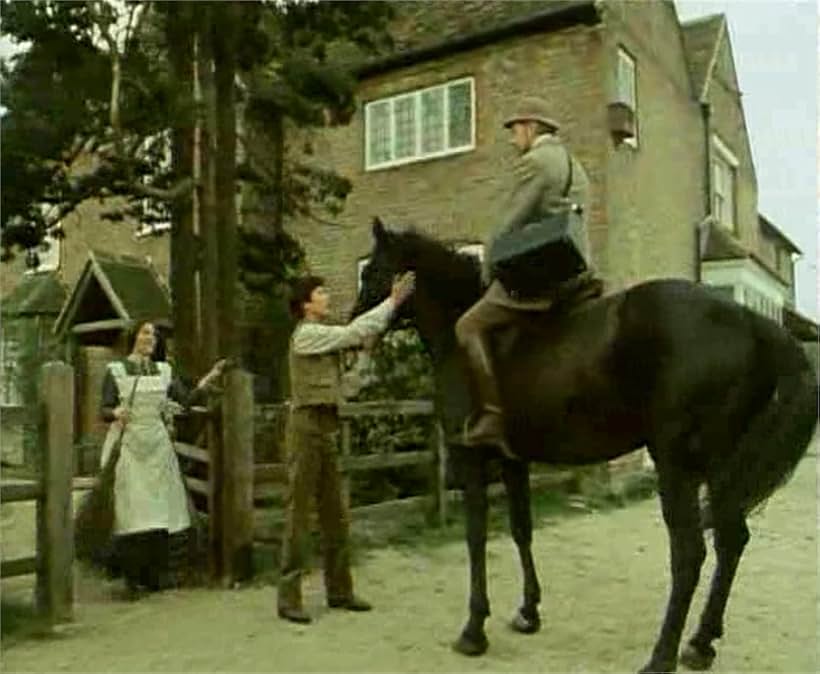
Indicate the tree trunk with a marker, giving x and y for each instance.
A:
(225, 30)
(207, 187)
(278, 149)
(183, 243)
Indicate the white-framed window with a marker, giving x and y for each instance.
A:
(9, 368)
(48, 255)
(48, 251)
(724, 185)
(360, 265)
(423, 124)
(474, 249)
(784, 260)
(155, 218)
(626, 87)
(762, 304)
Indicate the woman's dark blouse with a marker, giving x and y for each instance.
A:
(177, 390)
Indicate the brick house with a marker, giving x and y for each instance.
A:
(649, 105)
(742, 252)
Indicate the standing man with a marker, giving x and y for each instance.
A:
(546, 179)
(312, 459)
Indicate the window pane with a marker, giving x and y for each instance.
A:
(432, 121)
(461, 114)
(626, 79)
(718, 177)
(729, 185)
(717, 207)
(9, 347)
(404, 112)
(360, 266)
(378, 132)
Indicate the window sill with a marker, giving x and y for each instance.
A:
(418, 160)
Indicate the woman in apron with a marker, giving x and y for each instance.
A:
(150, 501)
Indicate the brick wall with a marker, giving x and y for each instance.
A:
(455, 197)
(655, 192)
(85, 230)
(727, 121)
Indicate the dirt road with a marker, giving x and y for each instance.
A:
(605, 580)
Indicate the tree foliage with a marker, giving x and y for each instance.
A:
(68, 135)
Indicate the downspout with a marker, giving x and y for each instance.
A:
(706, 112)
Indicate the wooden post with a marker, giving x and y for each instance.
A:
(236, 497)
(55, 531)
(440, 474)
(213, 443)
(344, 453)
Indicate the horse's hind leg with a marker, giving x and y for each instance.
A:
(516, 477)
(730, 537)
(679, 502)
(473, 468)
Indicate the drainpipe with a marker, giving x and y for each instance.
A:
(705, 111)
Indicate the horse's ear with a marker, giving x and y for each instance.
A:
(379, 231)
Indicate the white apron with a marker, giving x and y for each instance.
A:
(148, 488)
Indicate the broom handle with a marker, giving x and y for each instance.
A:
(115, 451)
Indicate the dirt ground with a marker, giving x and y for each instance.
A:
(605, 581)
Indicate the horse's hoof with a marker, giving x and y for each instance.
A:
(698, 658)
(470, 646)
(524, 625)
(652, 668)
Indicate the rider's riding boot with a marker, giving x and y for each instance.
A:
(487, 428)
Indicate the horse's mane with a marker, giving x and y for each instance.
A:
(440, 261)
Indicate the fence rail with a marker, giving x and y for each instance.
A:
(269, 479)
(53, 562)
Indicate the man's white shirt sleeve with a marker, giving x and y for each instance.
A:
(313, 339)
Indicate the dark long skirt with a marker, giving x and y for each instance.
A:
(152, 560)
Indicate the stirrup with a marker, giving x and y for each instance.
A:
(499, 441)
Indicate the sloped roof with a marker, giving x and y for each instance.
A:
(418, 24)
(40, 293)
(131, 285)
(701, 37)
(770, 228)
(427, 30)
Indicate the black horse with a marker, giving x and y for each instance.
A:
(718, 394)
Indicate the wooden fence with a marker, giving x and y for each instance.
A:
(216, 469)
(216, 450)
(214, 462)
(270, 479)
(54, 558)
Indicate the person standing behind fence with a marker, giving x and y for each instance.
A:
(312, 458)
(150, 502)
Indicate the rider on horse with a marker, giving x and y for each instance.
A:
(546, 179)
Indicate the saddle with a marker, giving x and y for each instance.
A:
(562, 300)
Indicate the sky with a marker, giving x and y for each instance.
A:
(776, 57)
(776, 54)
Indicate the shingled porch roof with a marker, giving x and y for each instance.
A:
(112, 293)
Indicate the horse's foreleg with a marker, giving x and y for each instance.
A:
(516, 476)
(473, 640)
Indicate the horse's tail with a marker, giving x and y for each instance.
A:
(779, 434)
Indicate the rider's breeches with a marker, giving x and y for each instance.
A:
(495, 309)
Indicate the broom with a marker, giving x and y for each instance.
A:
(94, 523)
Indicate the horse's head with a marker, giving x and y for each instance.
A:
(387, 259)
